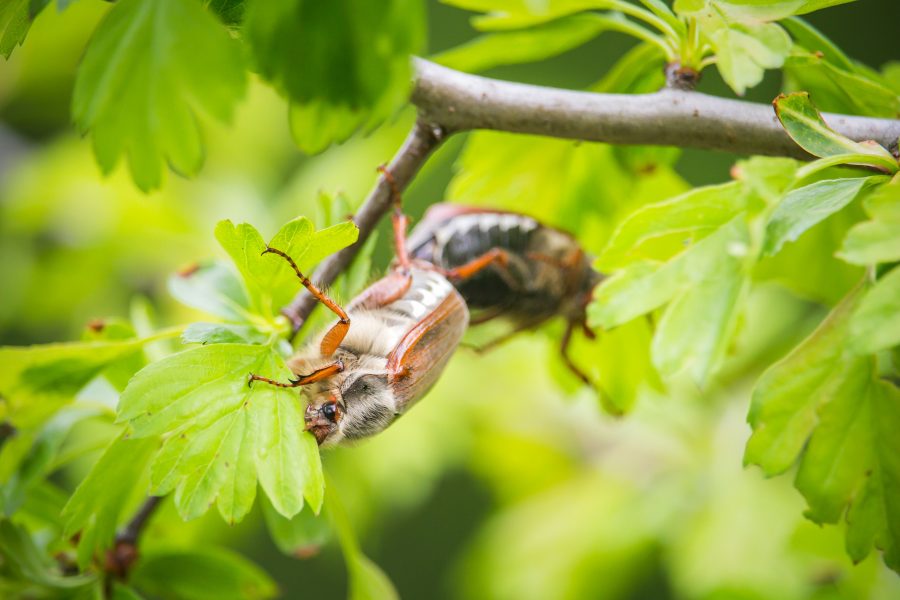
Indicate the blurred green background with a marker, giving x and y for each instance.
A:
(507, 482)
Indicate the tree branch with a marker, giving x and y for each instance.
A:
(450, 101)
(422, 140)
(122, 556)
(459, 101)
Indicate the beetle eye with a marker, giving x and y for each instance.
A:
(331, 411)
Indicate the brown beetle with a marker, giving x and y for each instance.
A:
(385, 352)
(509, 265)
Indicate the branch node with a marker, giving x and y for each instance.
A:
(679, 77)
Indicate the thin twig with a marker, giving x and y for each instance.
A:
(422, 140)
(122, 556)
(132, 531)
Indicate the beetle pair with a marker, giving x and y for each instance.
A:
(406, 325)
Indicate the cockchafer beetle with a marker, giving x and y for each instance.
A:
(386, 350)
(509, 265)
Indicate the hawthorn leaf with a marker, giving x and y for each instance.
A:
(806, 126)
(872, 242)
(231, 12)
(745, 40)
(316, 124)
(884, 202)
(697, 325)
(269, 279)
(875, 325)
(24, 561)
(756, 10)
(854, 90)
(786, 399)
(852, 463)
(35, 381)
(645, 286)
(222, 333)
(876, 240)
(700, 210)
(100, 501)
(212, 288)
(345, 59)
(815, 42)
(523, 46)
(636, 290)
(149, 72)
(201, 573)
(42, 457)
(301, 536)
(804, 207)
(745, 51)
(14, 25)
(223, 434)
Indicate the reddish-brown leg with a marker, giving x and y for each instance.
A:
(398, 219)
(336, 334)
(564, 351)
(386, 290)
(317, 375)
(494, 256)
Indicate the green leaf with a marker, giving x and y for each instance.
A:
(41, 457)
(704, 285)
(24, 561)
(852, 462)
(698, 211)
(786, 400)
(804, 207)
(14, 25)
(201, 573)
(745, 51)
(36, 380)
(149, 72)
(269, 279)
(876, 240)
(814, 41)
(876, 323)
(231, 12)
(696, 327)
(212, 288)
(523, 46)
(222, 333)
(340, 60)
(872, 242)
(102, 498)
(300, 536)
(316, 124)
(856, 90)
(223, 434)
(805, 125)
(758, 10)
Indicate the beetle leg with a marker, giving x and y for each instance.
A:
(399, 220)
(567, 262)
(335, 335)
(530, 324)
(317, 375)
(488, 314)
(384, 291)
(494, 256)
(564, 351)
